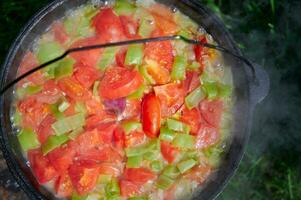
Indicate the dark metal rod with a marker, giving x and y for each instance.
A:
(124, 43)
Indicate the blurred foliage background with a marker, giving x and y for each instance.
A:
(268, 32)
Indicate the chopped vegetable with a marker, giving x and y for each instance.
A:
(184, 141)
(129, 126)
(134, 55)
(115, 105)
(138, 94)
(167, 134)
(186, 165)
(73, 135)
(68, 124)
(143, 71)
(171, 171)
(28, 139)
(164, 182)
(107, 57)
(104, 179)
(194, 98)
(65, 68)
(112, 189)
(124, 8)
(177, 126)
(140, 150)
(53, 142)
(211, 90)
(95, 90)
(178, 70)
(134, 161)
(146, 26)
(156, 166)
(63, 106)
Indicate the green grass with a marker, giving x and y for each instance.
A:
(268, 32)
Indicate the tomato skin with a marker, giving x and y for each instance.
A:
(151, 115)
(192, 118)
(159, 73)
(109, 169)
(63, 186)
(130, 26)
(128, 188)
(119, 82)
(212, 111)
(95, 107)
(87, 141)
(33, 112)
(132, 109)
(171, 98)
(169, 152)
(83, 179)
(45, 130)
(106, 131)
(120, 57)
(134, 138)
(29, 62)
(59, 32)
(199, 50)
(86, 75)
(40, 166)
(207, 136)
(88, 58)
(161, 52)
(139, 176)
(101, 154)
(61, 158)
(108, 26)
(191, 82)
(199, 173)
(73, 89)
(50, 94)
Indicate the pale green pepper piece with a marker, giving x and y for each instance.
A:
(28, 139)
(179, 66)
(54, 142)
(64, 68)
(194, 98)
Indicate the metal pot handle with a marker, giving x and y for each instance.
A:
(259, 88)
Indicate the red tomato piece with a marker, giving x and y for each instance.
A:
(139, 176)
(199, 173)
(164, 19)
(73, 89)
(161, 52)
(119, 82)
(191, 82)
(45, 129)
(41, 167)
(86, 75)
(132, 109)
(199, 50)
(120, 57)
(134, 138)
(109, 169)
(88, 58)
(95, 107)
(169, 152)
(63, 186)
(59, 32)
(130, 26)
(159, 73)
(50, 94)
(119, 137)
(192, 118)
(128, 188)
(87, 141)
(171, 98)
(83, 179)
(28, 63)
(106, 131)
(212, 111)
(33, 112)
(62, 157)
(101, 154)
(151, 115)
(207, 136)
(108, 26)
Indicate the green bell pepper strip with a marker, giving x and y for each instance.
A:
(152, 155)
(178, 69)
(55, 111)
(139, 93)
(147, 26)
(178, 126)
(211, 90)
(54, 142)
(134, 161)
(73, 135)
(29, 90)
(123, 7)
(186, 165)
(17, 118)
(194, 66)
(75, 196)
(166, 134)
(206, 78)
(64, 68)
(134, 55)
(140, 150)
(184, 141)
(224, 91)
(95, 90)
(213, 154)
(80, 108)
(107, 57)
(171, 171)
(138, 198)
(194, 98)
(192, 154)
(103, 178)
(48, 51)
(63, 106)
(164, 182)
(68, 124)
(148, 78)
(156, 166)
(28, 139)
(129, 126)
(112, 188)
